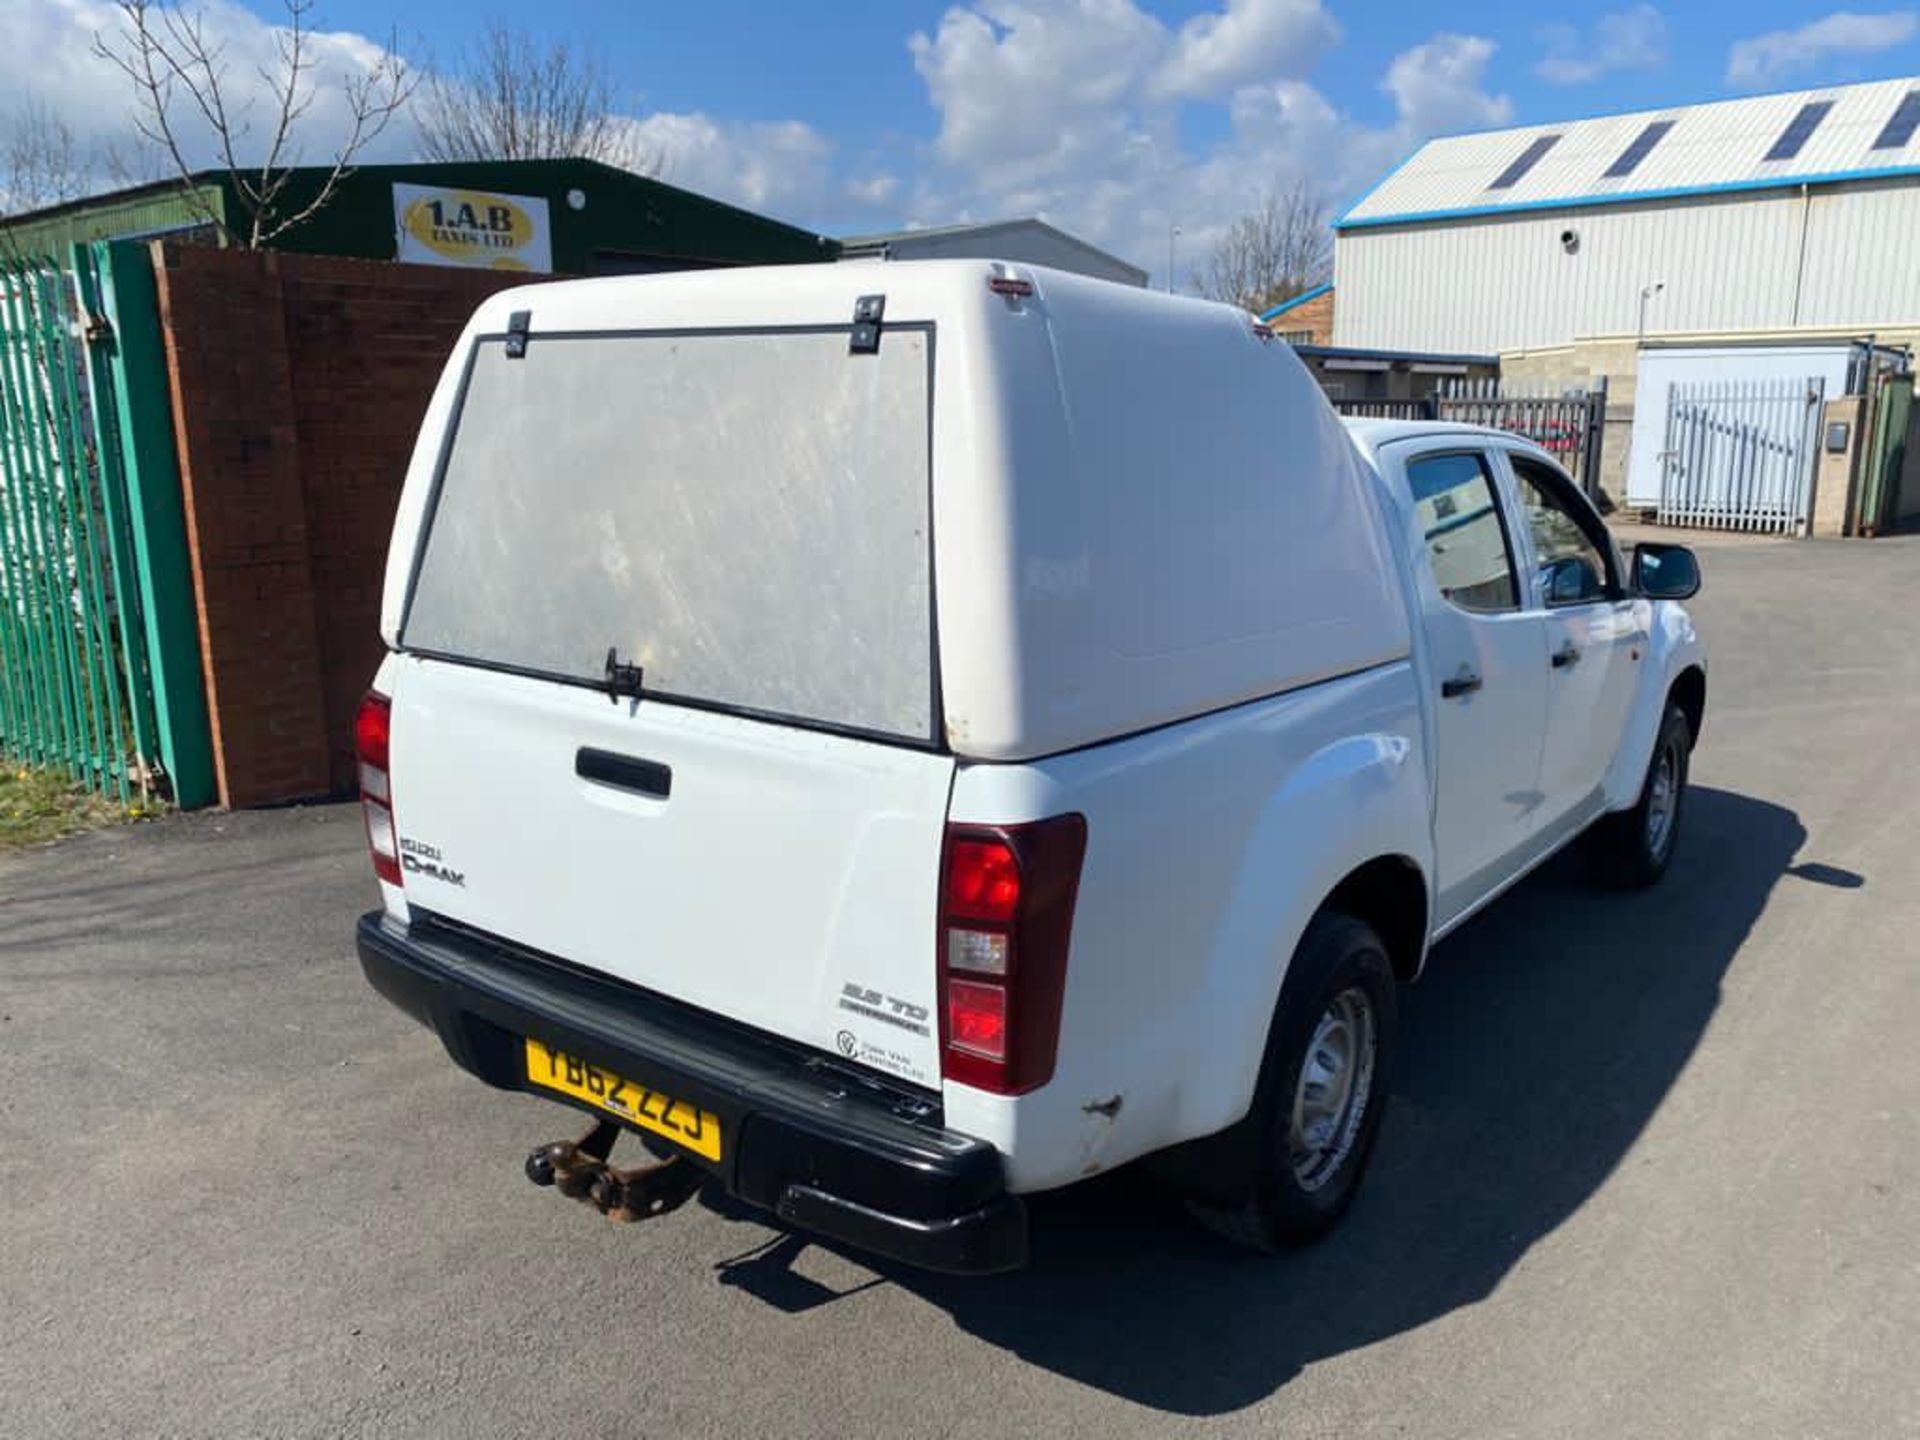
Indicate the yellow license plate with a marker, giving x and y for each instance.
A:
(684, 1124)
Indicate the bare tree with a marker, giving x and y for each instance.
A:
(174, 64)
(40, 162)
(511, 98)
(1271, 253)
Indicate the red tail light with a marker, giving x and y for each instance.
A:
(1006, 917)
(372, 727)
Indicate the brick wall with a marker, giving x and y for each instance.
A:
(298, 383)
(1313, 318)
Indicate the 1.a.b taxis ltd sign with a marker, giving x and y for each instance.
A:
(473, 228)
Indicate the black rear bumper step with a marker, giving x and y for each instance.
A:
(848, 1157)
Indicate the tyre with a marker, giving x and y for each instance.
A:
(1322, 1090)
(1633, 848)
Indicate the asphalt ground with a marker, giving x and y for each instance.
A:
(1652, 1165)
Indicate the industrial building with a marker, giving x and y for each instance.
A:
(1778, 212)
(562, 217)
(1761, 239)
(1033, 241)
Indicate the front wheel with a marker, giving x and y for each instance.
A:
(1634, 847)
(1322, 1091)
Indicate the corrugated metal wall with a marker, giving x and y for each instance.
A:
(1860, 265)
(1728, 263)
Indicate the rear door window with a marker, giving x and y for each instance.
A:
(744, 515)
(1467, 550)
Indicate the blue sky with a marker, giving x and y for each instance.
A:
(845, 67)
(1113, 118)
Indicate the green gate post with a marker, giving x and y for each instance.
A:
(45, 355)
(55, 663)
(86, 464)
(16, 678)
(17, 675)
(24, 581)
(154, 515)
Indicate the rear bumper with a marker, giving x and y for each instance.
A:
(821, 1146)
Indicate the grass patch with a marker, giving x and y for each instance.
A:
(41, 805)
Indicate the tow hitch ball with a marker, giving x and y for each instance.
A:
(579, 1170)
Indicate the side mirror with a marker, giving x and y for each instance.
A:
(1665, 572)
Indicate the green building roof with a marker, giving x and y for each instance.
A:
(602, 219)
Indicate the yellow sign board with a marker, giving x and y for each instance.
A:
(476, 229)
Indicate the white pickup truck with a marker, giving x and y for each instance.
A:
(903, 736)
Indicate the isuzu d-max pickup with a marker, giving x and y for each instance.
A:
(904, 736)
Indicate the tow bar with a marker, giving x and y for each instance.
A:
(579, 1170)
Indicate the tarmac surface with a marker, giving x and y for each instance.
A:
(1652, 1165)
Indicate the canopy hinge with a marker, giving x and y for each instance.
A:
(867, 313)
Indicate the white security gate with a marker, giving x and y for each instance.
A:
(1740, 454)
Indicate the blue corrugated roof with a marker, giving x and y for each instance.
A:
(1717, 148)
(1625, 197)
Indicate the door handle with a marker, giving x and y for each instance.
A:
(1566, 655)
(1464, 684)
(624, 772)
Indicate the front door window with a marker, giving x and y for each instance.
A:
(1575, 568)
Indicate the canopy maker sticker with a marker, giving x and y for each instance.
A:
(475, 229)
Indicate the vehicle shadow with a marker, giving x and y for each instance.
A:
(1541, 1042)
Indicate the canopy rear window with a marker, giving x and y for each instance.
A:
(744, 515)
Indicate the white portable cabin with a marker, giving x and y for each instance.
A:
(1832, 368)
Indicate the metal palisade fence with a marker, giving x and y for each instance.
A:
(99, 659)
(1740, 454)
(1568, 424)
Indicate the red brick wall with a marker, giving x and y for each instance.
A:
(298, 383)
(1315, 317)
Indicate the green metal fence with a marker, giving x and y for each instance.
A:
(95, 599)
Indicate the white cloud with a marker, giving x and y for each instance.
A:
(1764, 59)
(781, 167)
(872, 191)
(1436, 86)
(1069, 110)
(1250, 40)
(1634, 39)
(1036, 87)
(47, 52)
(1066, 109)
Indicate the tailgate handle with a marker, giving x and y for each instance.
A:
(624, 772)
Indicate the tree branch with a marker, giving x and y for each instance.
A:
(164, 50)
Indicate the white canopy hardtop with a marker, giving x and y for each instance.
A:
(1141, 508)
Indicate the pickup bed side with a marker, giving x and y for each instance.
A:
(1210, 846)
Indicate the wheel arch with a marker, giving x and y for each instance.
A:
(1689, 692)
(1388, 893)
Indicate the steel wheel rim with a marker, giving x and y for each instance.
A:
(1663, 794)
(1335, 1088)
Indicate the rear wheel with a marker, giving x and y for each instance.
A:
(1323, 1089)
(1634, 847)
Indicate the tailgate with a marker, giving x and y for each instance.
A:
(782, 877)
(731, 530)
